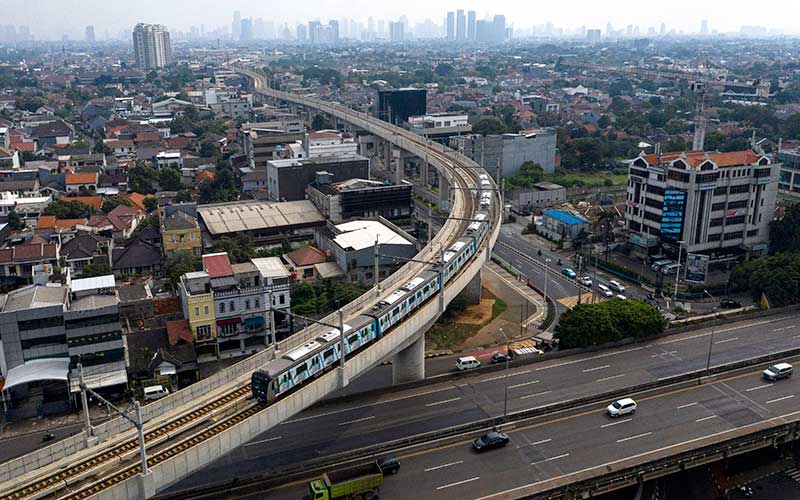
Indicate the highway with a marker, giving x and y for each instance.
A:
(360, 422)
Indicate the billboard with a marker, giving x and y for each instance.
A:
(672, 214)
(696, 268)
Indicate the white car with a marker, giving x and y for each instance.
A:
(622, 297)
(585, 281)
(616, 286)
(622, 407)
(604, 291)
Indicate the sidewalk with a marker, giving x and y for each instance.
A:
(38, 425)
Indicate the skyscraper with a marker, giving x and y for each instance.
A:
(451, 26)
(396, 32)
(461, 25)
(334, 25)
(471, 16)
(89, 34)
(236, 25)
(302, 33)
(704, 27)
(246, 30)
(151, 46)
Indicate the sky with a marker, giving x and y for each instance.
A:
(50, 19)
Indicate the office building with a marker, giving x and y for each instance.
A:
(451, 26)
(267, 141)
(593, 36)
(493, 31)
(230, 307)
(287, 179)
(471, 25)
(236, 25)
(396, 32)
(151, 46)
(461, 26)
(396, 106)
(48, 330)
(789, 181)
(246, 30)
(440, 127)
(716, 204)
(503, 155)
(302, 33)
(360, 198)
(88, 35)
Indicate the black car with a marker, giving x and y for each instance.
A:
(499, 357)
(490, 440)
(389, 464)
(730, 304)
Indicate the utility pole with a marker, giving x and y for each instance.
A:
(377, 265)
(342, 373)
(678, 273)
(84, 402)
(594, 279)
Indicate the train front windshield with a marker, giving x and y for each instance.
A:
(260, 382)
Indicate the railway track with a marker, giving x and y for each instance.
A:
(123, 453)
(56, 481)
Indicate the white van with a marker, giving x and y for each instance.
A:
(604, 291)
(155, 392)
(467, 363)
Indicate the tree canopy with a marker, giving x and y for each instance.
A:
(68, 209)
(784, 234)
(529, 173)
(777, 277)
(595, 324)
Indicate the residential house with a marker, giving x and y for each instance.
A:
(181, 231)
(137, 257)
(53, 133)
(303, 260)
(120, 222)
(84, 181)
(86, 249)
(18, 261)
(163, 356)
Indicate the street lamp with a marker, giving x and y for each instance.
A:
(505, 378)
(678, 273)
(713, 328)
(546, 268)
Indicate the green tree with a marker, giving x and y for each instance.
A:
(141, 180)
(239, 248)
(319, 122)
(180, 263)
(169, 179)
(68, 209)
(490, 125)
(596, 324)
(784, 234)
(112, 202)
(15, 222)
(92, 270)
(529, 173)
(445, 70)
(777, 277)
(150, 203)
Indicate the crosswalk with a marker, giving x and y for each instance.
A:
(794, 473)
(586, 298)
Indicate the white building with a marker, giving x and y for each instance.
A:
(151, 46)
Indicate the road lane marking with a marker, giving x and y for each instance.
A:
(634, 437)
(550, 459)
(610, 378)
(596, 368)
(784, 328)
(357, 420)
(669, 353)
(460, 482)
(543, 441)
(687, 405)
(535, 394)
(726, 340)
(780, 399)
(443, 466)
(523, 384)
(757, 387)
(501, 377)
(264, 441)
(615, 423)
(582, 360)
(442, 402)
(749, 325)
(706, 418)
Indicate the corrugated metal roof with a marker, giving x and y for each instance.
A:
(249, 216)
(565, 217)
(360, 234)
(83, 284)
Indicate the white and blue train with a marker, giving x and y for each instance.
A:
(281, 376)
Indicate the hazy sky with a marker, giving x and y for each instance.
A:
(49, 19)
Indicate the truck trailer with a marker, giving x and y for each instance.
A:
(361, 482)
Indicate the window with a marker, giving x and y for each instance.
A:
(714, 237)
(715, 222)
(743, 188)
(737, 204)
(92, 321)
(752, 234)
(706, 178)
(247, 305)
(678, 176)
(734, 235)
(762, 172)
(255, 302)
(43, 341)
(35, 324)
(222, 307)
(720, 191)
(203, 332)
(233, 306)
(718, 206)
(282, 299)
(735, 220)
(206, 310)
(197, 311)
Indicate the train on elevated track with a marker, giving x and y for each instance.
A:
(303, 363)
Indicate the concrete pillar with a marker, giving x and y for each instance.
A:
(146, 485)
(362, 148)
(424, 172)
(387, 156)
(409, 364)
(472, 292)
(399, 169)
(444, 194)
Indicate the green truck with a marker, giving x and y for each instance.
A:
(361, 482)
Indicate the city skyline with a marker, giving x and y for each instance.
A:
(65, 19)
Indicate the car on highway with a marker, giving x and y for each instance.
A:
(730, 304)
(569, 273)
(616, 286)
(499, 357)
(467, 363)
(389, 464)
(778, 371)
(604, 291)
(491, 440)
(585, 281)
(625, 406)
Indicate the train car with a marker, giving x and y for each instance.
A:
(399, 304)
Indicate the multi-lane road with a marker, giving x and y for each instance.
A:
(554, 446)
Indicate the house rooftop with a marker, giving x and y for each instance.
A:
(697, 157)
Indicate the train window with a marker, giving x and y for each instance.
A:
(353, 339)
(328, 354)
(396, 311)
(301, 368)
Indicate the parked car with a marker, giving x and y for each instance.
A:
(604, 291)
(389, 464)
(622, 297)
(467, 363)
(499, 357)
(616, 286)
(622, 407)
(491, 440)
(585, 281)
(730, 304)
(777, 372)
(670, 269)
(155, 392)
(569, 273)
(657, 265)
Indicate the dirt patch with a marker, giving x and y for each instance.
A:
(477, 314)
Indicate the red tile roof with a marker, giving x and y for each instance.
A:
(178, 330)
(86, 178)
(93, 201)
(696, 158)
(138, 200)
(217, 265)
(50, 222)
(307, 256)
(27, 252)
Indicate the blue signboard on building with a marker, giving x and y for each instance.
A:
(672, 214)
